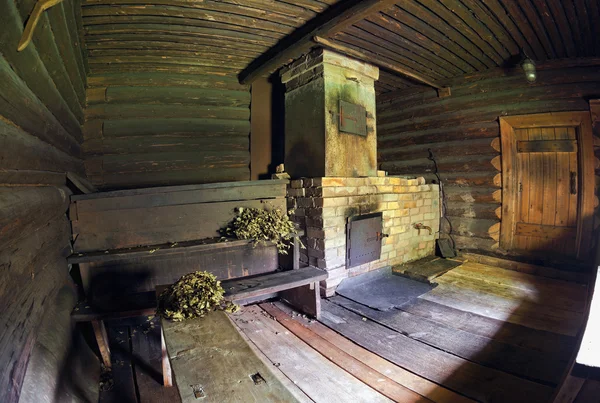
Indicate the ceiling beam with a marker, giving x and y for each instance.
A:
(335, 19)
(443, 91)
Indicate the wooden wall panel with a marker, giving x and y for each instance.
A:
(41, 111)
(463, 132)
(172, 130)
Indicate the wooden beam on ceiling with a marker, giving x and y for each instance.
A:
(442, 91)
(336, 19)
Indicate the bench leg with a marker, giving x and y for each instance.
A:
(102, 340)
(166, 364)
(306, 299)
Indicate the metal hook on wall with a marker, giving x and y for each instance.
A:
(34, 18)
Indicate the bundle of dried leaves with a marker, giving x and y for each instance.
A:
(262, 226)
(193, 296)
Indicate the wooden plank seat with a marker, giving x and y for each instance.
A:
(299, 287)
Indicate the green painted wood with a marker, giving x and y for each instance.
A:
(28, 65)
(21, 106)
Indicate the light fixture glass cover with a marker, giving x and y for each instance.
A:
(529, 68)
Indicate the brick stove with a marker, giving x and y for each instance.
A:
(335, 173)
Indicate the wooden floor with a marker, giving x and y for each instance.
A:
(483, 334)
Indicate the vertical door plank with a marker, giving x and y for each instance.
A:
(562, 191)
(523, 191)
(549, 192)
(536, 186)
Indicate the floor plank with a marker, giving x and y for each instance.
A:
(345, 361)
(486, 351)
(320, 379)
(551, 343)
(146, 354)
(472, 380)
(509, 310)
(123, 389)
(398, 374)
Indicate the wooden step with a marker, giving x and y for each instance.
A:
(249, 287)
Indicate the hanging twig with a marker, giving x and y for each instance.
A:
(34, 18)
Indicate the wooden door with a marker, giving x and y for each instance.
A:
(548, 181)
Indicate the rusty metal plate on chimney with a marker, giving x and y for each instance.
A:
(353, 118)
(363, 242)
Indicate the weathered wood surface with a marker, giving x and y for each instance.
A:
(238, 289)
(473, 380)
(320, 379)
(159, 132)
(40, 139)
(355, 367)
(461, 136)
(117, 229)
(208, 354)
(397, 374)
(482, 350)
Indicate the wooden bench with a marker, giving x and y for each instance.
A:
(298, 287)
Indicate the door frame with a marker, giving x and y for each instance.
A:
(585, 152)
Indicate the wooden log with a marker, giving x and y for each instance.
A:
(135, 180)
(23, 151)
(166, 95)
(22, 316)
(139, 111)
(22, 107)
(473, 243)
(440, 150)
(469, 164)
(68, 48)
(163, 79)
(28, 65)
(465, 194)
(472, 210)
(156, 126)
(473, 227)
(31, 178)
(25, 209)
(173, 143)
(156, 162)
(50, 56)
(73, 26)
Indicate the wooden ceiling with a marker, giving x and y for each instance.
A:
(437, 39)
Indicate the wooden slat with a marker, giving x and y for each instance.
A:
(345, 361)
(316, 376)
(239, 289)
(465, 377)
(561, 146)
(336, 19)
(208, 354)
(398, 374)
(478, 349)
(550, 196)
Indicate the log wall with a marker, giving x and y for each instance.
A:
(42, 95)
(157, 128)
(463, 133)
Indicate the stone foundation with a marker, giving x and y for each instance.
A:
(322, 208)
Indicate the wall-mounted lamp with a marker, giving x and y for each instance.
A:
(529, 68)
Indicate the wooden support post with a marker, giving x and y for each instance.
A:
(166, 364)
(306, 299)
(102, 340)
